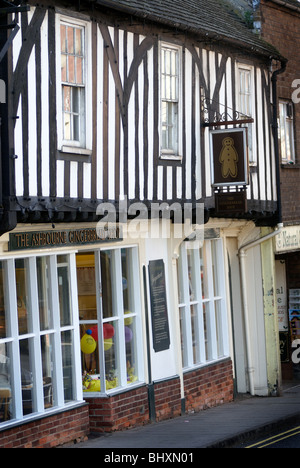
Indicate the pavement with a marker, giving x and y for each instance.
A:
(224, 426)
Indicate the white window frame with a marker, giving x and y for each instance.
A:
(252, 146)
(210, 328)
(83, 147)
(282, 130)
(119, 318)
(165, 153)
(34, 334)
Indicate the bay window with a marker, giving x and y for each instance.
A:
(39, 366)
(202, 304)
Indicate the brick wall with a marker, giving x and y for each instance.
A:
(208, 386)
(50, 431)
(167, 399)
(131, 408)
(119, 412)
(204, 388)
(281, 27)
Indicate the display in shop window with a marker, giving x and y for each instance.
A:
(109, 358)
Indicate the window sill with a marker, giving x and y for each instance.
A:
(170, 157)
(114, 391)
(76, 150)
(290, 165)
(73, 153)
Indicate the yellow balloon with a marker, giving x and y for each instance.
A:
(88, 344)
(108, 344)
(129, 320)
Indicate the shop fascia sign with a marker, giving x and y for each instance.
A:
(63, 238)
(288, 239)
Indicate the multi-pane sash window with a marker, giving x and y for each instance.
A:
(39, 368)
(73, 83)
(202, 304)
(246, 105)
(169, 90)
(286, 132)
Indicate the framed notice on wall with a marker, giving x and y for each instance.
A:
(159, 309)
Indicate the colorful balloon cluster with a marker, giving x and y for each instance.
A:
(89, 340)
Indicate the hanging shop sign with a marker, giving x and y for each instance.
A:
(63, 238)
(159, 310)
(229, 157)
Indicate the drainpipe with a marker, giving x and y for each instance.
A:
(275, 134)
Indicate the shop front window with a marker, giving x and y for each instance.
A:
(202, 304)
(109, 319)
(38, 363)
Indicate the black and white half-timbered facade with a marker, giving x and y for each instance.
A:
(150, 114)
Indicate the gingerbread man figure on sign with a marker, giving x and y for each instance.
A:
(229, 159)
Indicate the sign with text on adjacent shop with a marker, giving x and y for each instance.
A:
(229, 157)
(288, 239)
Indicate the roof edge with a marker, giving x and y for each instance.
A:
(256, 50)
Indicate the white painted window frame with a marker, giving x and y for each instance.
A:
(34, 334)
(252, 144)
(288, 120)
(215, 345)
(85, 146)
(119, 318)
(168, 154)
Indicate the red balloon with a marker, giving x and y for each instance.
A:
(94, 330)
(108, 331)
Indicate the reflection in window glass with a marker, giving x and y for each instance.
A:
(87, 300)
(106, 279)
(43, 292)
(6, 392)
(67, 361)
(64, 290)
(22, 296)
(111, 352)
(27, 375)
(47, 363)
(3, 308)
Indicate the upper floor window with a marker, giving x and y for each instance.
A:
(74, 128)
(286, 132)
(170, 57)
(246, 104)
(73, 83)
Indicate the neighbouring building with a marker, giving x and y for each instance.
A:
(139, 206)
(278, 22)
